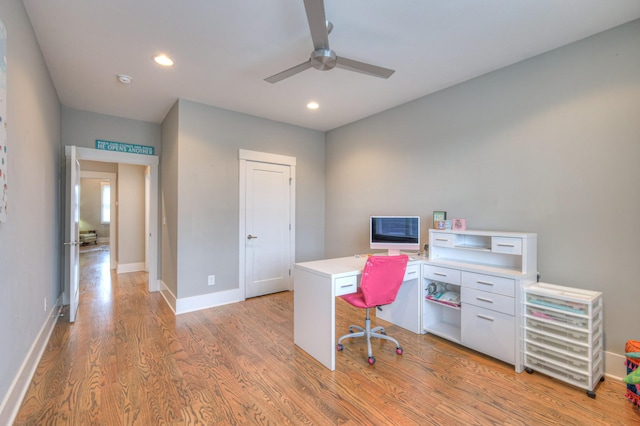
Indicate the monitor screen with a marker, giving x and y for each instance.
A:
(395, 233)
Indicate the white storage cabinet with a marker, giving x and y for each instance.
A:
(488, 270)
(563, 334)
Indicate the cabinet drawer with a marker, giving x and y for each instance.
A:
(346, 285)
(444, 240)
(506, 245)
(489, 332)
(445, 275)
(490, 283)
(561, 345)
(556, 317)
(483, 299)
(412, 272)
(580, 364)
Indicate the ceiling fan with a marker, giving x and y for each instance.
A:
(323, 58)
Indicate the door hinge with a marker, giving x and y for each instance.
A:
(289, 272)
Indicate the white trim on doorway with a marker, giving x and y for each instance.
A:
(263, 157)
(144, 160)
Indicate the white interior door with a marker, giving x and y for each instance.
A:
(72, 252)
(268, 228)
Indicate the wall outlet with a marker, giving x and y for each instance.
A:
(211, 280)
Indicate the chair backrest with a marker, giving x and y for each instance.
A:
(381, 278)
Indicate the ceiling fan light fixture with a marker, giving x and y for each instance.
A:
(313, 105)
(163, 60)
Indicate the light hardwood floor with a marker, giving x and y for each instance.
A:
(128, 360)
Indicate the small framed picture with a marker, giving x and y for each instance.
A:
(437, 217)
(458, 224)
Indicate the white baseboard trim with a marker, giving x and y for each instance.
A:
(168, 296)
(196, 303)
(123, 268)
(17, 390)
(614, 367)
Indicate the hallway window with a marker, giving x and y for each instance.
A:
(105, 188)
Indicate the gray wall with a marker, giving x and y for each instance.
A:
(206, 195)
(131, 214)
(169, 199)
(91, 207)
(82, 128)
(29, 241)
(550, 145)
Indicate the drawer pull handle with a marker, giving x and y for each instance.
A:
(411, 273)
(485, 317)
(346, 285)
(506, 245)
(484, 282)
(440, 274)
(482, 299)
(441, 239)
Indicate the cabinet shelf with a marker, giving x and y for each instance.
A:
(446, 330)
(449, 305)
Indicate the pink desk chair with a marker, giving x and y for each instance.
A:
(381, 280)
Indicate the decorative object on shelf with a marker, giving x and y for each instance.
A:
(447, 224)
(458, 224)
(439, 224)
(437, 217)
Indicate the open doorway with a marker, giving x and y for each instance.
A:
(150, 237)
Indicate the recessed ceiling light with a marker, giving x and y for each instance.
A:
(163, 60)
(124, 79)
(313, 105)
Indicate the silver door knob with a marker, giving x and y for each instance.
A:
(250, 237)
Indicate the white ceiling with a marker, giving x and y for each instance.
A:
(223, 50)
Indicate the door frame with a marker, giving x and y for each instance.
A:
(138, 159)
(263, 157)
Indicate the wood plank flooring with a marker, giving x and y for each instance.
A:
(129, 361)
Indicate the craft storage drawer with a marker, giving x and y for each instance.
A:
(569, 347)
(499, 285)
(506, 245)
(445, 275)
(444, 240)
(346, 285)
(557, 317)
(558, 330)
(412, 272)
(545, 366)
(483, 299)
(569, 361)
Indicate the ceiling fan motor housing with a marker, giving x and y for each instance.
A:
(323, 59)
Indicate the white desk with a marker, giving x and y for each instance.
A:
(316, 286)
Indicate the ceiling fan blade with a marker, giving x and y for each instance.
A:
(361, 67)
(288, 73)
(317, 23)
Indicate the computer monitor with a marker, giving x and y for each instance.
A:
(394, 233)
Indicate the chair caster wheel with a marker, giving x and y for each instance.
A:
(339, 347)
(350, 329)
(399, 350)
(591, 394)
(371, 360)
(529, 370)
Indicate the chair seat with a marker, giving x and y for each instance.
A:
(356, 299)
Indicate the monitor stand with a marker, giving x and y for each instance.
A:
(393, 252)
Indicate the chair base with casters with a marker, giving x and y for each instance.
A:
(368, 332)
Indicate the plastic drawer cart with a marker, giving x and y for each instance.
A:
(563, 334)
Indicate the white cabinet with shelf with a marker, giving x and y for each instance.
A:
(488, 270)
(563, 334)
